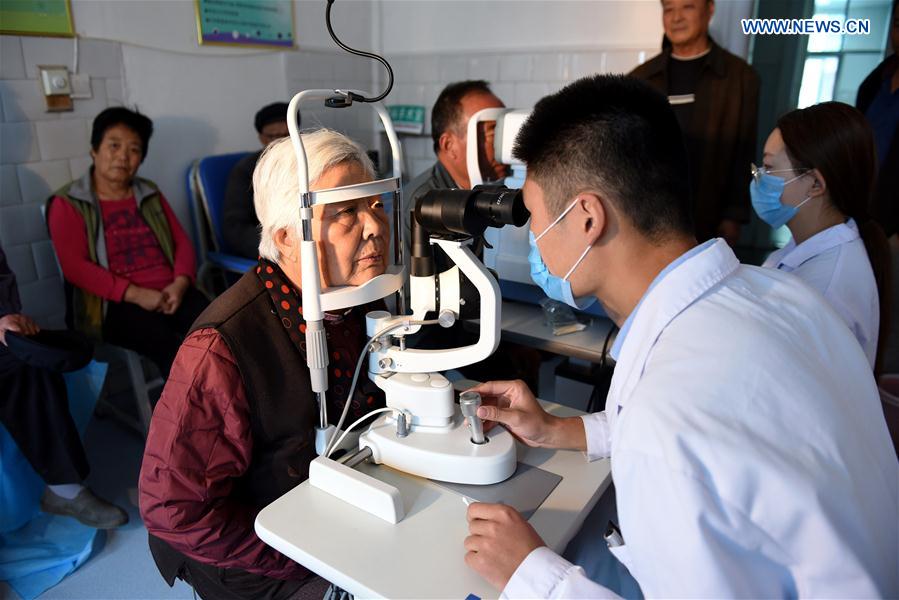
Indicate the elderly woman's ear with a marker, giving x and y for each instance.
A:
(288, 245)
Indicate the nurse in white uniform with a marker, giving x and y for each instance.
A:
(817, 178)
(748, 446)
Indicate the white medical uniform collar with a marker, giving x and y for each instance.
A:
(794, 256)
(680, 288)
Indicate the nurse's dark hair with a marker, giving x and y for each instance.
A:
(835, 139)
(119, 115)
(617, 136)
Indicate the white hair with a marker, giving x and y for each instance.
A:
(276, 190)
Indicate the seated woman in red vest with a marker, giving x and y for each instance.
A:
(234, 429)
(128, 265)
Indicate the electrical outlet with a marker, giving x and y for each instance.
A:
(55, 81)
(56, 87)
(81, 85)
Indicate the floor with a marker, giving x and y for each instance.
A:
(121, 566)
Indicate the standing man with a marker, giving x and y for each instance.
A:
(715, 97)
(241, 226)
(749, 450)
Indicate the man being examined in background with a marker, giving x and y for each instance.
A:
(449, 129)
(715, 97)
(241, 226)
(34, 408)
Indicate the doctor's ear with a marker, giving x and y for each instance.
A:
(594, 213)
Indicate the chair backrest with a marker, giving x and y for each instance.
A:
(209, 181)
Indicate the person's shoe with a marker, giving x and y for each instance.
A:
(86, 507)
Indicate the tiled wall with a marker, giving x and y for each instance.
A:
(518, 79)
(40, 151)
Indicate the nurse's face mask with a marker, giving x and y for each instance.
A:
(766, 190)
(557, 288)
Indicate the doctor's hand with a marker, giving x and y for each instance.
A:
(500, 540)
(512, 404)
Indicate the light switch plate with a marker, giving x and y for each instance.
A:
(55, 80)
(81, 85)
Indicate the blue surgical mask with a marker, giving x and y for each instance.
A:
(557, 288)
(766, 191)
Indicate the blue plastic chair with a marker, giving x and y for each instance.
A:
(207, 179)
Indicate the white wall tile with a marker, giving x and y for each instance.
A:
(88, 108)
(505, 91)
(515, 67)
(427, 69)
(21, 262)
(12, 64)
(310, 65)
(353, 70)
(452, 69)
(45, 301)
(551, 67)
(99, 58)
(22, 224)
(62, 139)
(402, 69)
(38, 180)
(527, 94)
(406, 93)
(622, 61)
(483, 67)
(45, 260)
(115, 94)
(18, 143)
(9, 186)
(587, 63)
(23, 100)
(39, 51)
(78, 166)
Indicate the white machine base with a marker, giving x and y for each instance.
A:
(361, 490)
(443, 453)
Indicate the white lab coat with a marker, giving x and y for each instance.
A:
(835, 263)
(748, 445)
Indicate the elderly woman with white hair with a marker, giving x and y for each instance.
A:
(234, 428)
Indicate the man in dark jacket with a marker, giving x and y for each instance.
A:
(715, 97)
(34, 408)
(240, 225)
(878, 98)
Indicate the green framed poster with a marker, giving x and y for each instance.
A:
(254, 23)
(37, 17)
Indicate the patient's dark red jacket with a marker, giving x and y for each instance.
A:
(234, 428)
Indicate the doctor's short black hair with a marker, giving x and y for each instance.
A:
(617, 135)
(119, 115)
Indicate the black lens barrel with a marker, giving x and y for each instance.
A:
(467, 213)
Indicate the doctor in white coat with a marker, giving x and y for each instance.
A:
(817, 178)
(749, 450)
